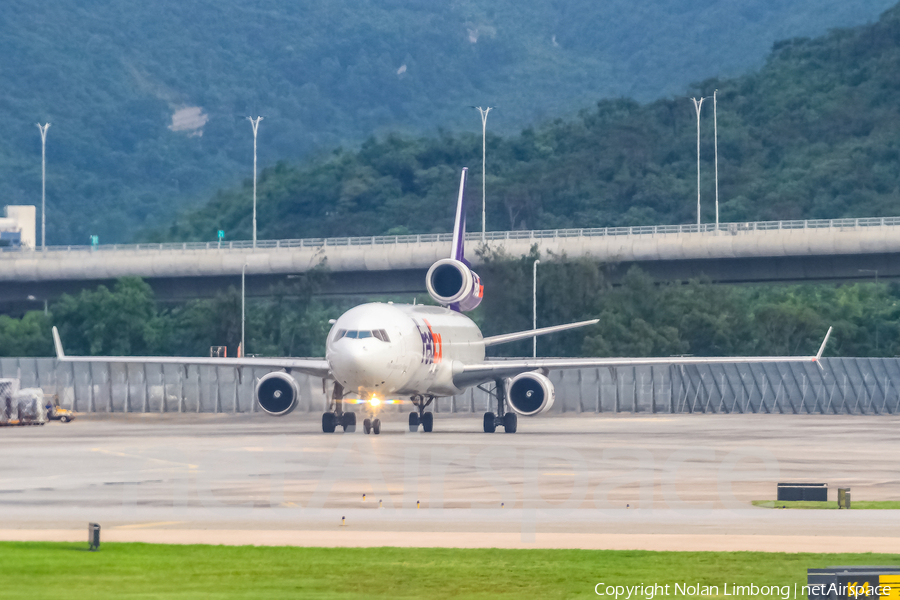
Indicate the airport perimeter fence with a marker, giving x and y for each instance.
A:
(858, 386)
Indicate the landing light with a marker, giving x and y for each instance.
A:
(377, 401)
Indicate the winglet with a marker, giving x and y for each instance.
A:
(60, 355)
(822, 347)
(459, 225)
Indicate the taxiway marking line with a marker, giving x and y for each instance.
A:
(145, 525)
(150, 458)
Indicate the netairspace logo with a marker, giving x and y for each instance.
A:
(786, 592)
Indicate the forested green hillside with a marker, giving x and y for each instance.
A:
(111, 74)
(815, 133)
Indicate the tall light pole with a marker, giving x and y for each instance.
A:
(534, 307)
(697, 105)
(243, 296)
(255, 124)
(716, 142)
(484, 114)
(43, 129)
(876, 283)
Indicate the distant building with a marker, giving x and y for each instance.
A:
(17, 228)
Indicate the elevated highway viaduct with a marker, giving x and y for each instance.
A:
(775, 251)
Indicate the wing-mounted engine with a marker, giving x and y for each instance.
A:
(530, 394)
(451, 281)
(277, 393)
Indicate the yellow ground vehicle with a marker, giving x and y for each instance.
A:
(57, 413)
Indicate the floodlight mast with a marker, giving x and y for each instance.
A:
(484, 114)
(243, 350)
(875, 271)
(43, 129)
(534, 307)
(255, 124)
(697, 105)
(716, 144)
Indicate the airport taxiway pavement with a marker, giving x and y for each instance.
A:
(663, 482)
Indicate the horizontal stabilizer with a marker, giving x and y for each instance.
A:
(524, 335)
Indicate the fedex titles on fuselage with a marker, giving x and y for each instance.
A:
(399, 350)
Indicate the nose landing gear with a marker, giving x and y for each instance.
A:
(421, 417)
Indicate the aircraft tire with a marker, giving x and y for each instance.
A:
(413, 421)
(376, 426)
(367, 426)
(510, 422)
(348, 422)
(427, 422)
(489, 426)
(328, 422)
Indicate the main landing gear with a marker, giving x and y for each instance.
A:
(507, 420)
(337, 417)
(426, 419)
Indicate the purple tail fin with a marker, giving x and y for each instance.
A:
(459, 225)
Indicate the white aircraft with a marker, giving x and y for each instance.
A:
(382, 351)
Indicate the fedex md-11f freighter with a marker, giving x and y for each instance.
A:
(377, 352)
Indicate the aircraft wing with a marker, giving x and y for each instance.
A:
(317, 367)
(491, 370)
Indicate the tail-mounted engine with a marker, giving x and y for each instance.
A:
(277, 393)
(530, 394)
(450, 281)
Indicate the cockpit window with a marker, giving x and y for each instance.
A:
(380, 334)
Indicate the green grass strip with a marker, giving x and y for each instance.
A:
(854, 505)
(124, 571)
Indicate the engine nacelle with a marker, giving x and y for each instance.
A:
(277, 393)
(450, 281)
(530, 394)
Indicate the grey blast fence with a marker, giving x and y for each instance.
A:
(859, 386)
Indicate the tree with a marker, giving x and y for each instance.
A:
(28, 336)
(123, 321)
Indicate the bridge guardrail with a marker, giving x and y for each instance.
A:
(651, 230)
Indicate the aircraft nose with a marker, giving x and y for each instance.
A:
(357, 362)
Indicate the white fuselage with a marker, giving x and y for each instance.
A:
(401, 350)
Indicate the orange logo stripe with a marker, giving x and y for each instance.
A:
(436, 341)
